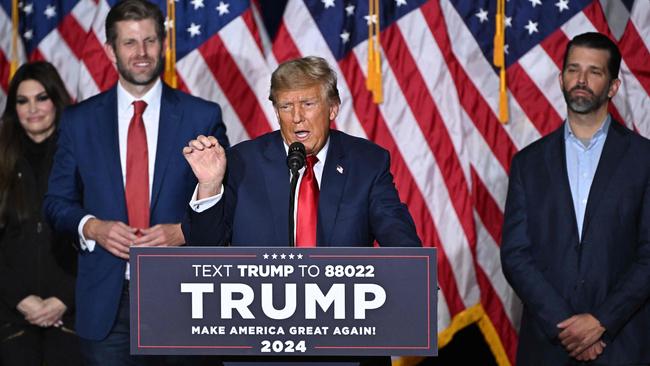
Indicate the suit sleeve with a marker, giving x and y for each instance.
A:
(214, 226)
(633, 288)
(519, 267)
(62, 204)
(390, 220)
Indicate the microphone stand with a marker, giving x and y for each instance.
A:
(292, 198)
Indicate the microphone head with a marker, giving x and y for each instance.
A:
(296, 156)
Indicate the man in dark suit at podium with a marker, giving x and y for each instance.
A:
(576, 237)
(345, 196)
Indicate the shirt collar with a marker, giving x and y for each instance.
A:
(125, 99)
(602, 130)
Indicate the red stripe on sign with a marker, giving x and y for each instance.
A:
(555, 45)
(375, 126)
(4, 72)
(432, 125)
(486, 207)
(73, 34)
(636, 55)
(538, 109)
(249, 20)
(100, 67)
(475, 106)
(234, 86)
(284, 48)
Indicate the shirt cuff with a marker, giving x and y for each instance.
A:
(204, 203)
(85, 244)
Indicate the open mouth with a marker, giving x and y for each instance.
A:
(302, 135)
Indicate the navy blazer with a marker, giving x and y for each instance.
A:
(86, 178)
(607, 273)
(358, 202)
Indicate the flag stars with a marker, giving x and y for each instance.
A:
(370, 19)
(197, 4)
(50, 11)
(531, 27)
(508, 22)
(223, 8)
(345, 36)
(400, 2)
(28, 8)
(328, 3)
(349, 10)
(505, 48)
(562, 5)
(534, 3)
(29, 34)
(482, 15)
(169, 24)
(194, 29)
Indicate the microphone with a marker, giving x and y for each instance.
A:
(295, 160)
(296, 157)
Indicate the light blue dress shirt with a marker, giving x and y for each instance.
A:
(581, 163)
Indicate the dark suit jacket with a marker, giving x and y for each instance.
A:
(357, 204)
(607, 273)
(86, 179)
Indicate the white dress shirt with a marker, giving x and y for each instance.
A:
(150, 117)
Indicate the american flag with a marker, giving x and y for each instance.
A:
(439, 116)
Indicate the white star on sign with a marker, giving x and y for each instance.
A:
(283, 256)
(482, 15)
(274, 256)
(345, 36)
(291, 256)
(265, 256)
(223, 8)
(194, 29)
(562, 5)
(299, 256)
(370, 19)
(50, 11)
(328, 3)
(169, 24)
(197, 4)
(349, 10)
(531, 27)
(536, 2)
(28, 8)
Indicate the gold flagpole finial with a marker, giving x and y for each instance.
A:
(170, 76)
(13, 64)
(373, 81)
(499, 59)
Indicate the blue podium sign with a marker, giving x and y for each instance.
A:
(283, 301)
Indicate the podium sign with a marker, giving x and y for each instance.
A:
(283, 301)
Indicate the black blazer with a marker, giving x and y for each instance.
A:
(607, 273)
(33, 259)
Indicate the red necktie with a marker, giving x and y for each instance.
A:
(307, 217)
(137, 170)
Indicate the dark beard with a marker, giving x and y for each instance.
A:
(128, 76)
(584, 105)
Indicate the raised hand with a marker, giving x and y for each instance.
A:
(208, 162)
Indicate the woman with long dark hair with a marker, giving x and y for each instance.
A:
(37, 266)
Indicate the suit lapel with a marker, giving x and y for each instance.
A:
(170, 118)
(331, 189)
(108, 140)
(276, 180)
(556, 164)
(615, 146)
